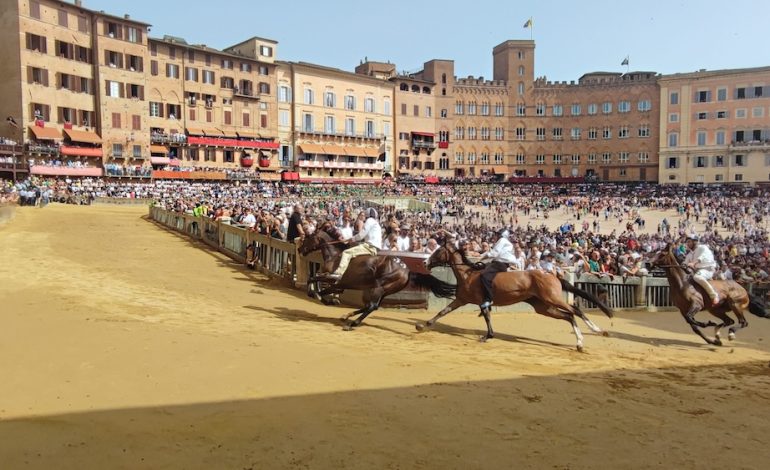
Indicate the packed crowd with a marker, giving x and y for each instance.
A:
(730, 219)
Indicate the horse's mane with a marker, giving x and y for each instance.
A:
(467, 262)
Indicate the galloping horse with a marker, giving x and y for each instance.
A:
(541, 290)
(689, 298)
(377, 276)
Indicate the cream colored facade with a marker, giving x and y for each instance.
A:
(715, 127)
(341, 123)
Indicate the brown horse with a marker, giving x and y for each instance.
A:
(689, 297)
(377, 276)
(543, 291)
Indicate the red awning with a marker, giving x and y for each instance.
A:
(424, 134)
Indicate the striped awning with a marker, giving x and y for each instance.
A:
(86, 137)
(334, 150)
(213, 132)
(45, 133)
(195, 131)
(355, 151)
(159, 149)
(247, 134)
(312, 148)
(369, 152)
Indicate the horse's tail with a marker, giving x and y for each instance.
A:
(757, 307)
(437, 286)
(567, 286)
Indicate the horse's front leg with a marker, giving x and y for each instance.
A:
(696, 325)
(457, 303)
(488, 319)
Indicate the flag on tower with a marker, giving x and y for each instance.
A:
(625, 61)
(528, 24)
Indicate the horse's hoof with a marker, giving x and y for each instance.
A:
(717, 342)
(580, 348)
(344, 318)
(335, 301)
(731, 336)
(484, 339)
(419, 327)
(347, 328)
(606, 334)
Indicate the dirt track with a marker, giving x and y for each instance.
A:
(125, 346)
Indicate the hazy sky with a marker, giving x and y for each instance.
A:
(572, 37)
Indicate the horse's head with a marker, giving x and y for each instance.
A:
(664, 257)
(310, 243)
(441, 257)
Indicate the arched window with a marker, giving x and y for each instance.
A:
(415, 88)
(404, 87)
(521, 70)
(521, 88)
(443, 78)
(426, 90)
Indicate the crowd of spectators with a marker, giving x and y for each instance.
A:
(730, 219)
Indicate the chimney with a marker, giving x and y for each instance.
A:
(127, 16)
(78, 3)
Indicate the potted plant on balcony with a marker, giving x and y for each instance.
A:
(264, 160)
(246, 160)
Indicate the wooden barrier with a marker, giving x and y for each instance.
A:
(123, 201)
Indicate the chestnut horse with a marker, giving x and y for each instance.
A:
(543, 291)
(689, 297)
(377, 276)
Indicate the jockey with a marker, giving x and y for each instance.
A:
(371, 234)
(701, 259)
(502, 257)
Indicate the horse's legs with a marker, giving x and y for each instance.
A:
(373, 299)
(726, 321)
(560, 311)
(689, 318)
(457, 303)
(742, 323)
(488, 320)
(587, 321)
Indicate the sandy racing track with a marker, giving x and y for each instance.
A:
(126, 346)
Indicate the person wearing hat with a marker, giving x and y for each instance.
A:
(402, 240)
(701, 259)
(370, 234)
(502, 257)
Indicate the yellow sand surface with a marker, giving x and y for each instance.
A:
(125, 346)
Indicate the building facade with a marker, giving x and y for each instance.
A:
(341, 123)
(715, 127)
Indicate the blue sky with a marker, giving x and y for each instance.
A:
(572, 37)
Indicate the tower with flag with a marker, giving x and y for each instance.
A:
(529, 24)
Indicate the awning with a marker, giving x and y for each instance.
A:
(247, 135)
(372, 152)
(213, 132)
(194, 131)
(355, 151)
(424, 134)
(175, 162)
(87, 137)
(160, 160)
(159, 149)
(500, 170)
(334, 150)
(312, 148)
(45, 133)
(229, 133)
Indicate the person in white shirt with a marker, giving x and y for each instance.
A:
(371, 235)
(701, 259)
(502, 257)
(403, 242)
(249, 220)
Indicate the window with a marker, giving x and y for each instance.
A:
(540, 133)
(67, 115)
(245, 119)
(701, 138)
(114, 30)
(263, 70)
(757, 91)
(228, 117)
(740, 160)
(443, 163)
(63, 18)
(593, 133)
(37, 43)
(757, 112)
(623, 157)
(403, 109)
(557, 133)
(521, 133)
(472, 108)
(266, 51)
(499, 133)
(624, 106)
(308, 96)
(702, 116)
(209, 77)
(575, 133)
(245, 67)
(116, 120)
(607, 107)
(34, 9)
(135, 91)
(720, 137)
(117, 150)
(386, 107)
(227, 64)
(521, 70)
(606, 157)
(350, 126)
(307, 122)
(113, 89)
(576, 109)
(644, 157)
(673, 139)
(156, 109)
(499, 109)
(172, 71)
(521, 109)
(701, 162)
(540, 159)
(459, 105)
(443, 114)
(520, 159)
(459, 157)
(721, 94)
(576, 159)
(136, 123)
(40, 76)
(283, 118)
(330, 99)
(623, 132)
(369, 105)
(191, 74)
(369, 128)
(673, 117)
(740, 93)
(284, 94)
(112, 59)
(719, 177)
(137, 151)
(644, 130)
(485, 108)
(740, 114)
(350, 102)
(738, 177)
(592, 109)
(557, 110)
(557, 159)
(644, 105)
(674, 98)
(471, 133)
(607, 133)
(416, 110)
(521, 88)
(133, 34)
(540, 109)
(721, 114)
(329, 125)
(702, 96)
(459, 133)
(592, 159)
(622, 172)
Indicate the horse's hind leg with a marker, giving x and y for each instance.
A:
(742, 323)
(559, 311)
(689, 318)
(457, 303)
(588, 321)
(726, 321)
(488, 320)
(373, 299)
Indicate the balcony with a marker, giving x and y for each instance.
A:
(754, 144)
(217, 142)
(353, 165)
(81, 151)
(177, 138)
(246, 93)
(42, 149)
(443, 145)
(349, 135)
(423, 144)
(310, 164)
(46, 170)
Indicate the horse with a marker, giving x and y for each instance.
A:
(377, 276)
(543, 291)
(690, 298)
